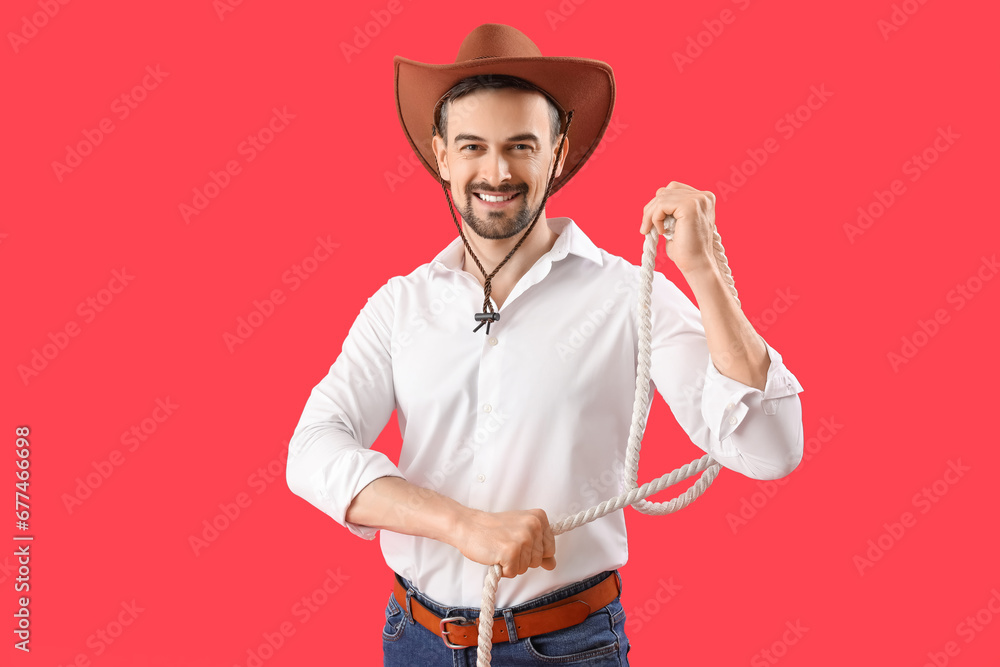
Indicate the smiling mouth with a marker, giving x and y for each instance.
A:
(495, 199)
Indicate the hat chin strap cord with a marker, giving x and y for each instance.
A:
(633, 495)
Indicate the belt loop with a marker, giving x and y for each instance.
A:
(409, 611)
(619, 578)
(508, 616)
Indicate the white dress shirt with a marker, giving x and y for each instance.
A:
(529, 416)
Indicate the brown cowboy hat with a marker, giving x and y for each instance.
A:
(581, 85)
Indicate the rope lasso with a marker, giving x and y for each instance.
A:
(632, 495)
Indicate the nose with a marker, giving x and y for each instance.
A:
(495, 169)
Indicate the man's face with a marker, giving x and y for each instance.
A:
(499, 145)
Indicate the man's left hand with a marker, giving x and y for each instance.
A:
(691, 247)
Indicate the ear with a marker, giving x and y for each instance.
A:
(441, 153)
(562, 156)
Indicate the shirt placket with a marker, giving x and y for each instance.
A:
(489, 423)
(488, 417)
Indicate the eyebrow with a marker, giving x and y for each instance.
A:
(527, 136)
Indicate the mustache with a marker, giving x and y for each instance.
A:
(508, 188)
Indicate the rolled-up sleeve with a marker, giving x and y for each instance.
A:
(330, 459)
(753, 432)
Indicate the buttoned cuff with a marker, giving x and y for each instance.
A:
(723, 402)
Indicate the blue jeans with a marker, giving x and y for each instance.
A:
(598, 641)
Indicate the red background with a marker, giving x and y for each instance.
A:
(324, 175)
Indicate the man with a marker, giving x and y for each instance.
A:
(508, 424)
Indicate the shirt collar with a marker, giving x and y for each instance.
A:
(571, 239)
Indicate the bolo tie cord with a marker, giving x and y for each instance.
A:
(489, 314)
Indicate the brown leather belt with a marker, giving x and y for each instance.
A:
(458, 632)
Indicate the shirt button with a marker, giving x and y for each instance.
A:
(493, 340)
(481, 478)
(732, 420)
(487, 408)
(730, 406)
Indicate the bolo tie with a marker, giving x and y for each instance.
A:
(489, 314)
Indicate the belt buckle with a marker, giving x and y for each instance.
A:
(445, 633)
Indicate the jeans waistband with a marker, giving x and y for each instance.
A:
(540, 601)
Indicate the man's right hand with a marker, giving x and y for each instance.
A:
(516, 540)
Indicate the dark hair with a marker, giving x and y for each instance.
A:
(494, 82)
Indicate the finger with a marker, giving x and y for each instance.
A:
(525, 561)
(548, 543)
(536, 553)
(677, 185)
(659, 217)
(510, 563)
(549, 563)
(539, 535)
(646, 222)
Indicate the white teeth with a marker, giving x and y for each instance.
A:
(491, 198)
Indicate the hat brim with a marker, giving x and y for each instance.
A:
(581, 85)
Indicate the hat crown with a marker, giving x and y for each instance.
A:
(495, 40)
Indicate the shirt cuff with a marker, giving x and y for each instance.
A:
(376, 466)
(723, 403)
